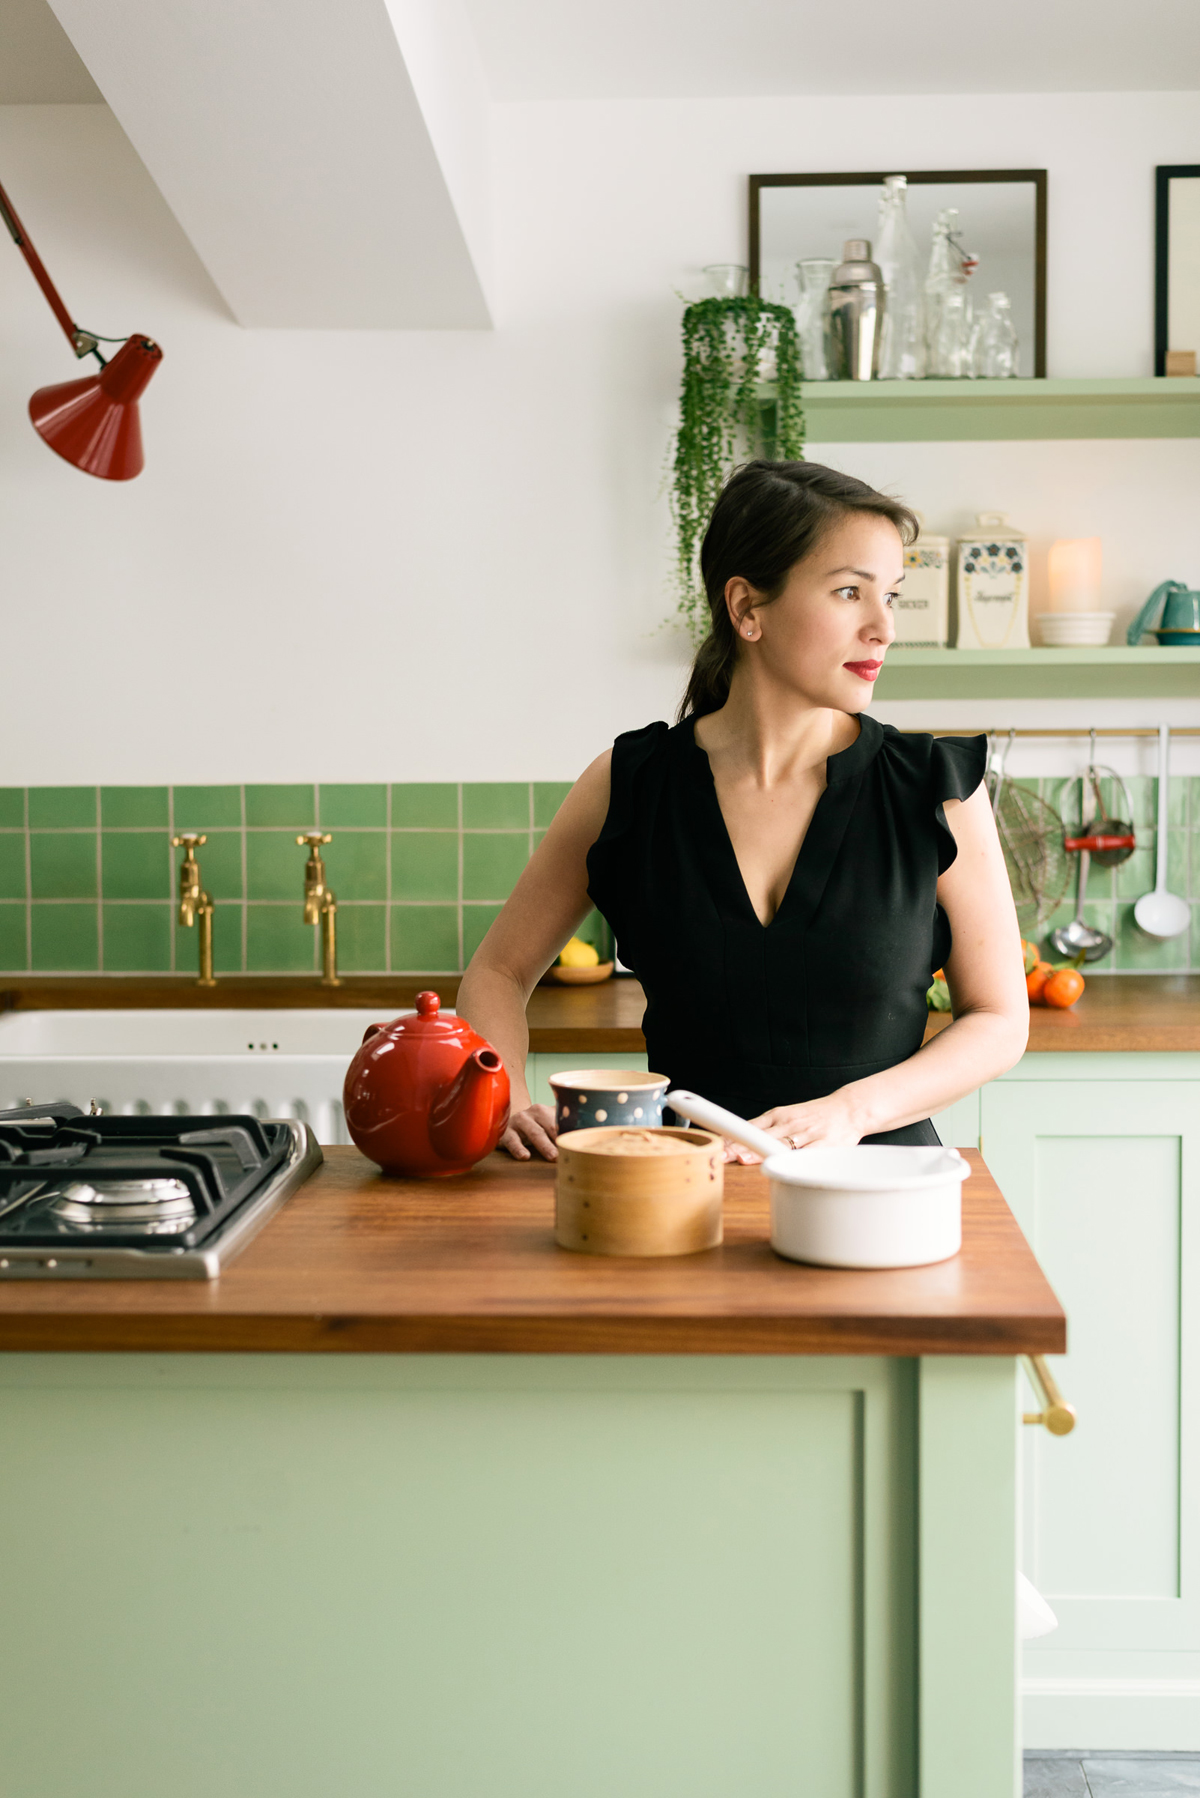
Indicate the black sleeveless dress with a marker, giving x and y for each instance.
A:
(833, 988)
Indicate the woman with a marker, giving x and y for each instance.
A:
(782, 872)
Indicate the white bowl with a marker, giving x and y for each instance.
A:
(875, 1205)
(1075, 630)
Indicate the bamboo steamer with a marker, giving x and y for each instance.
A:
(622, 1191)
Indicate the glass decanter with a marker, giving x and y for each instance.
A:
(995, 352)
(902, 355)
(812, 316)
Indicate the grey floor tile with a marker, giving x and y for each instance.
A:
(1053, 1778)
(1152, 1777)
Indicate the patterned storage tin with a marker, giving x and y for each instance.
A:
(993, 586)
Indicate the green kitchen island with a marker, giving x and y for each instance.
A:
(413, 1502)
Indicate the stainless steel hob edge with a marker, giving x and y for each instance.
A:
(304, 1157)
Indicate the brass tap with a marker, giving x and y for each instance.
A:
(194, 903)
(320, 903)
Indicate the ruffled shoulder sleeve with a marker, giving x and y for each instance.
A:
(926, 771)
(956, 767)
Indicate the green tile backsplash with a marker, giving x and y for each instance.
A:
(88, 876)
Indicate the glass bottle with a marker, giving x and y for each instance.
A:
(727, 280)
(812, 316)
(995, 352)
(950, 352)
(902, 355)
(949, 272)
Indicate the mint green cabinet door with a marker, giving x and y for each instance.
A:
(958, 1125)
(1104, 1177)
(539, 1068)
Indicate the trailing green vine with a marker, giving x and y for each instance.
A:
(723, 420)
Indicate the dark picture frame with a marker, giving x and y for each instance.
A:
(1164, 174)
(924, 177)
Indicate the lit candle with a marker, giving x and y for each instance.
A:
(1075, 564)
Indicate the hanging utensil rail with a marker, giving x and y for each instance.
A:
(1056, 1414)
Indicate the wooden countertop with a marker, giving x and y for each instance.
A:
(1117, 1012)
(354, 1263)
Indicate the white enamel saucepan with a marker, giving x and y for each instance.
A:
(874, 1205)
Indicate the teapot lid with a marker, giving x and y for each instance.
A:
(429, 1020)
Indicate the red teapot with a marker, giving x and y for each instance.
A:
(425, 1094)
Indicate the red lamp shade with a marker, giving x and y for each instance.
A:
(94, 423)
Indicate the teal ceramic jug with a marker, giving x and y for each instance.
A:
(1179, 626)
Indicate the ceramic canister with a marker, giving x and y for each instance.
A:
(921, 612)
(993, 586)
(590, 1096)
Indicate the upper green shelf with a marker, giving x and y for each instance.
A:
(989, 411)
(1112, 673)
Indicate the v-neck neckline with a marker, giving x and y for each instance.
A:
(826, 825)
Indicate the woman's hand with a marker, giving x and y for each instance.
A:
(531, 1132)
(833, 1121)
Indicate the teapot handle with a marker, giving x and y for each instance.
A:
(370, 1031)
(1141, 623)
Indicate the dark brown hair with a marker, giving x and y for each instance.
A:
(769, 516)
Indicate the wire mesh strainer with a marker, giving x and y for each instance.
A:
(1031, 835)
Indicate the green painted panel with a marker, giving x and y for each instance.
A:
(937, 411)
(448, 1581)
(967, 1547)
(539, 1068)
(1113, 672)
(1104, 1180)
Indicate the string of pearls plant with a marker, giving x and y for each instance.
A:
(724, 419)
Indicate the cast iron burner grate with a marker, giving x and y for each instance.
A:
(156, 1185)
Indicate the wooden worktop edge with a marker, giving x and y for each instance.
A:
(563, 1335)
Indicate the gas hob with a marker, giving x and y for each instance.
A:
(159, 1198)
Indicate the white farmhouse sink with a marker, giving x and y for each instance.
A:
(271, 1063)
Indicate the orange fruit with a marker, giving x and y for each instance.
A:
(1063, 988)
(1035, 982)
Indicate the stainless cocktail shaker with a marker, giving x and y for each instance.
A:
(856, 301)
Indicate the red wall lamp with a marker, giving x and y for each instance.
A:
(93, 423)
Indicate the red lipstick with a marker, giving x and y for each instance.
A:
(865, 670)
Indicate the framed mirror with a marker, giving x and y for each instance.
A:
(1001, 220)
(1177, 265)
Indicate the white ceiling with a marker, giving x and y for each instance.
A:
(38, 65)
(566, 49)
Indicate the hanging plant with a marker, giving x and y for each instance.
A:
(723, 420)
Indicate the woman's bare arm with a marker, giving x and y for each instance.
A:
(545, 908)
(987, 986)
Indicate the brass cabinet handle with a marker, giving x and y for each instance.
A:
(1057, 1415)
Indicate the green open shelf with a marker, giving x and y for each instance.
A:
(1112, 673)
(988, 411)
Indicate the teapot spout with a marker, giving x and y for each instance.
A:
(470, 1113)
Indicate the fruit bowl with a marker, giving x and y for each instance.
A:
(580, 976)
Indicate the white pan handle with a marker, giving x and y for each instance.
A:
(725, 1123)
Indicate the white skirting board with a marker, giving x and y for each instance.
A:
(1156, 1714)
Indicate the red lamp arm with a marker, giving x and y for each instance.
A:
(81, 342)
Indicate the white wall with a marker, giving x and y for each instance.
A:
(443, 555)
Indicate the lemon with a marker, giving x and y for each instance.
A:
(578, 954)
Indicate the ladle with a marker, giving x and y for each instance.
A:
(1078, 938)
(1162, 914)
